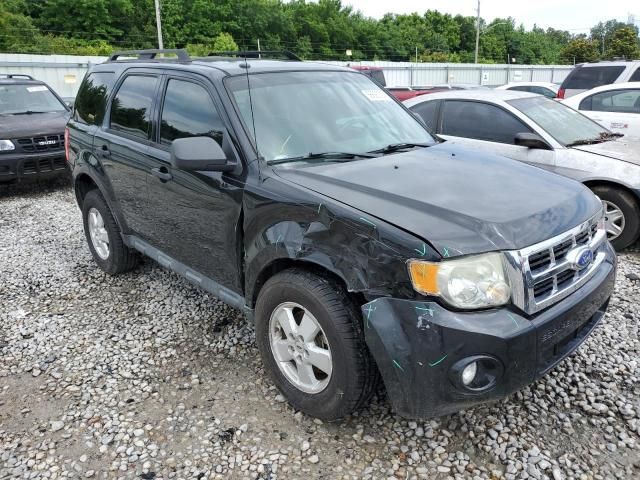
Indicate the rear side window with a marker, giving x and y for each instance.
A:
(586, 78)
(428, 111)
(131, 107)
(91, 101)
(619, 101)
(480, 121)
(188, 111)
(636, 76)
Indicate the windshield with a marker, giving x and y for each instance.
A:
(298, 113)
(24, 98)
(564, 124)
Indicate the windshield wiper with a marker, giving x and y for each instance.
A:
(604, 137)
(27, 112)
(335, 156)
(394, 147)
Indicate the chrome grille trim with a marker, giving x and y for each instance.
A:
(523, 280)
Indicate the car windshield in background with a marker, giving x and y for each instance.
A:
(300, 113)
(561, 122)
(28, 98)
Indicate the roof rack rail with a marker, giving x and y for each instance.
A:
(286, 54)
(16, 75)
(152, 54)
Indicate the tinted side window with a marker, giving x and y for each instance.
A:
(586, 78)
(428, 111)
(131, 107)
(480, 121)
(91, 101)
(621, 101)
(521, 88)
(543, 91)
(636, 76)
(188, 111)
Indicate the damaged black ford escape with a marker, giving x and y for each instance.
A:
(362, 247)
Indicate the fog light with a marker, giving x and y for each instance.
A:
(469, 373)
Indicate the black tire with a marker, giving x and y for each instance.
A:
(121, 258)
(354, 377)
(629, 207)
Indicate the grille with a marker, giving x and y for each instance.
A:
(42, 165)
(45, 143)
(544, 272)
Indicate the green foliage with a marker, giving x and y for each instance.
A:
(624, 43)
(315, 30)
(222, 43)
(579, 50)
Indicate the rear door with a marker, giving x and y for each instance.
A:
(487, 127)
(195, 214)
(618, 110)
(123, 142)
(88, 113)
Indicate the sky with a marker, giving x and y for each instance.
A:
(577, 16)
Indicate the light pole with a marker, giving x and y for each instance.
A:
(159, 25)
(477, 32)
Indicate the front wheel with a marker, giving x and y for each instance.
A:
(312, 344)
(621, 214)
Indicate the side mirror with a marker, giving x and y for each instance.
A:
(531, 140)
(199, 154)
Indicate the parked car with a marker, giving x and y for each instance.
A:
(405, 93)
(586, 76)
(548, 89)
(548, 134)
(450, 86)
(374, 73)
(32, 120)
(615, 106)
(360, 246)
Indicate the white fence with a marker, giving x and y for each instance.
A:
(62, 72)
(65, 72)
(404, 74)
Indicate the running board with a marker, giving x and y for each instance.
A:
(223, 293)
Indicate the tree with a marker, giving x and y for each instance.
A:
(624, 43)
(222, 43)
(579, 50)
(603, 33)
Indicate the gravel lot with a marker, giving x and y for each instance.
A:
(145, 376)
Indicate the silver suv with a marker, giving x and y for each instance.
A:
(586, 76)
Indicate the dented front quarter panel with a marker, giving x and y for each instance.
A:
(287, 222)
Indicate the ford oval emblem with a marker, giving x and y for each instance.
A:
(580, 258)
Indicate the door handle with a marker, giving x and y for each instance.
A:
(104, 151)
(162, 173)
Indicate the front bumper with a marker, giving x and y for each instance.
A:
(26, 166)
(418, 345)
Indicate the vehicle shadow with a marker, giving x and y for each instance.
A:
(8, 190)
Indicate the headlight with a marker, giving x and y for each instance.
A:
(6, 145)
(478, 281)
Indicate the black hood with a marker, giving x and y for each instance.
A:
(461, 201)
(33, 124)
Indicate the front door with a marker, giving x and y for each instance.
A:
(195, 214)
(489, 128)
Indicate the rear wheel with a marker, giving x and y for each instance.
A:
(312, 344)
(622, 216)
(103, 236)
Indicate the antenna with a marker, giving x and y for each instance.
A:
(246, 67)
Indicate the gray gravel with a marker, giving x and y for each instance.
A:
(145, 376)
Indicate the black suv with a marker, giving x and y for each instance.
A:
(361, 247)
(32, 120)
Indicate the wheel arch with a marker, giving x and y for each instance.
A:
(281, 264)
(612, 184)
